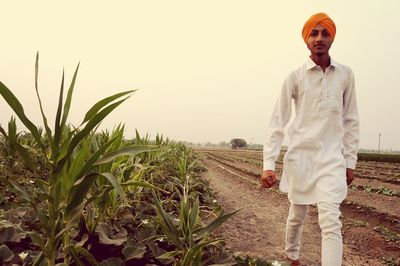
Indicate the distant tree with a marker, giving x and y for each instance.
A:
(238, 143)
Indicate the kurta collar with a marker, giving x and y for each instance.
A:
(310, 64)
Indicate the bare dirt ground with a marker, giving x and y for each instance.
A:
(258, 230)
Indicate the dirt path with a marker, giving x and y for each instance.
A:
(258, 230)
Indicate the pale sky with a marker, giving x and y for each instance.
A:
(207, 70)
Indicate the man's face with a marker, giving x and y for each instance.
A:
(319, 42)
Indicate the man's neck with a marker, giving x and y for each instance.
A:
(322, 60)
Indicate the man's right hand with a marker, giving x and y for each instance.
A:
(268, 178)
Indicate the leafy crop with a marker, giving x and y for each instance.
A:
(77, 196)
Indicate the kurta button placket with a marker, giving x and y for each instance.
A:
(326, 87)
(323, 92)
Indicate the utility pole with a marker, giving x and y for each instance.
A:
(379, 143)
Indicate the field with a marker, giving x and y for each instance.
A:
(74, 195)
(370, 213)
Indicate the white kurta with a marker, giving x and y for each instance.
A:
(323, 137)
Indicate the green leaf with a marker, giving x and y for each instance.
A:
(3, 132)
(12, 129)
(194, 213)
(37, 240)
(167, 224)
(72, 252)
(194, 251)
(99, 105)
(17, 188)
(77, 250)
(74, 169)
(77, 194)
(46, 125)
(214, 224)
(184, 220)
(130, 151)
(25, 156)
(138, 139)
(64, 144)
(170, 255)
(83, 183)
(92, 123)
(6, 254)
(107, 237)
(57, 126)
(12, 138)
(10, 233)
(134, 252)
(89, 164)
(86, 254)
(39, 260)
(84, 238)
(113, 180)
(68, 100)
(71, 218)
(13, 102)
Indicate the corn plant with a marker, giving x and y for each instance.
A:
(186, 233)
(128, 172)
(11, 146)
(72, 170)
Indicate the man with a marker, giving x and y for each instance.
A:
(322, 152)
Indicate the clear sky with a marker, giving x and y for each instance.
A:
(207, 70)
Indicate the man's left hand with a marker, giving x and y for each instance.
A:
(349, 175)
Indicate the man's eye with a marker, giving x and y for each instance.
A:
(314, 33)
(325, 34)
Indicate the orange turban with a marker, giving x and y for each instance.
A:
(314, 20)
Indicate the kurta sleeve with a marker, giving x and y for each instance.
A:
(275, 131)
(350, 124)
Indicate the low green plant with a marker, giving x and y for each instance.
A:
(6, 255)
(127, 170)
(356, 223)
(379, 157)
(251, 261)
(72, 169)
(185, 232)
(389, 235)
(378, 190)
(11, 146)
(390, 261)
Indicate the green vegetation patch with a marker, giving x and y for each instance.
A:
(379, 157)
(75, 196)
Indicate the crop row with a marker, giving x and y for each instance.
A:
(362, 156)
(73, 196)
(388, 224)
(363, 170)
(223, 158)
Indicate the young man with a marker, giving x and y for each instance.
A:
(322, 152)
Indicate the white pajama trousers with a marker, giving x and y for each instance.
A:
(328, 219)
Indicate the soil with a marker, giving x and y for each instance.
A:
(385, 203)
(258, 230)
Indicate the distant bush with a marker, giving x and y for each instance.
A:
(238, 144)
(379, 157)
